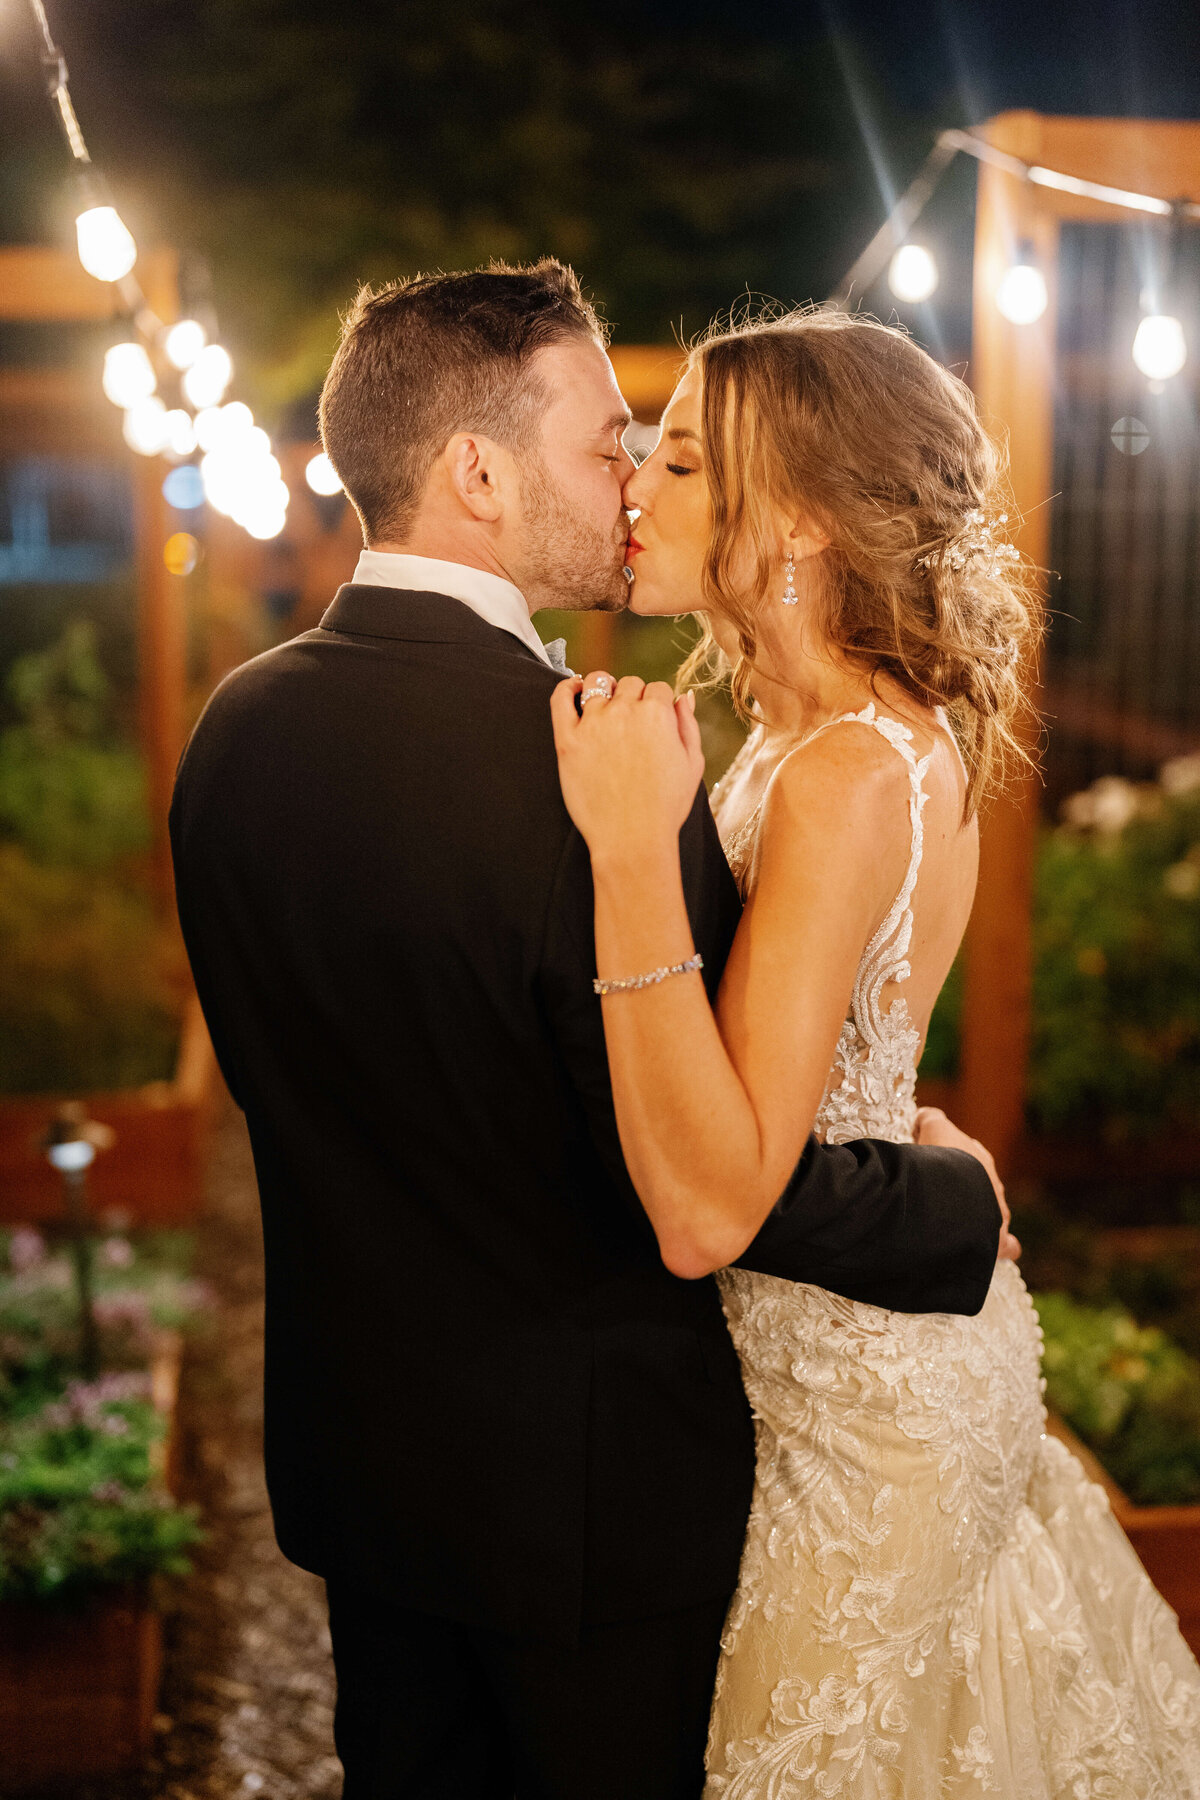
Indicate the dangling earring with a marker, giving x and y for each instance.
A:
(790, 596)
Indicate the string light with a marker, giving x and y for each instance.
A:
(106, 246)
(128, 374)
(321, 475)
(205, 382)
(241, 470)
(184, 342)
(145, 429)
(181, 433)
(949, 144)
(1022, 295)
(912, 274)
(1160, 347)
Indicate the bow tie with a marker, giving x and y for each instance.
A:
(556, 650)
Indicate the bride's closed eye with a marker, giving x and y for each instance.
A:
(681, 469)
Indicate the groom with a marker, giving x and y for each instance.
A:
(514, 1445)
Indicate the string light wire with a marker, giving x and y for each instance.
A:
(912, 202)
(253, 491)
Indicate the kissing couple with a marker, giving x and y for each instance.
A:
(659, 1413)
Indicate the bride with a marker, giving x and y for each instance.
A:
(934, 1602)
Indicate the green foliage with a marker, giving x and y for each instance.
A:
(79, 1504)
(1117, 970)
(68, 794)
(90, 981)
(81, 1499)
(90, 978)
(1116, 942)
(1131, 1394)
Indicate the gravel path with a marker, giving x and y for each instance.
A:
(247, 1699)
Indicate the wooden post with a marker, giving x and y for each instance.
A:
(162, 640)
(1012, 374)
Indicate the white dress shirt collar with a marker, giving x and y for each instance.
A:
(497, 601)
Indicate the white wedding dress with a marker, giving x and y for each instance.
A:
(935, 1603)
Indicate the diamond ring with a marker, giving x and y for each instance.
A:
(603, 690)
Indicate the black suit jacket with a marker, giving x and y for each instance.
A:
(486, 1396)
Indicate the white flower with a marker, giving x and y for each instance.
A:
(1181, 775)
(1182, 880)
(1107, 806)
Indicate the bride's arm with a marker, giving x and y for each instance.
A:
(714, 1109)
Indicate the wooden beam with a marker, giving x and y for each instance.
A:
(1012, 373)
(162, 650)
(44, 285)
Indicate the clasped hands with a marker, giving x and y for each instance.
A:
(629, 765)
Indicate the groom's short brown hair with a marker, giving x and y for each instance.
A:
(422, 359)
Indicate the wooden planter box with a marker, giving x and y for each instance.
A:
(79, 1687)
(1167, 1538)
(155, 1169)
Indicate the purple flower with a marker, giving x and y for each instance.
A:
(127, 1307)
(116, 1253)
(26, 1248)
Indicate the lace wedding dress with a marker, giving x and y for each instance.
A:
(935, 1603)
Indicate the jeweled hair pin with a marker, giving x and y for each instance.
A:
(980, 537)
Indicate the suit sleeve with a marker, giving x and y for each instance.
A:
(904, 1226)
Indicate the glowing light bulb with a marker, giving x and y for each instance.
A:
(181, 433)
(128, 374)
(106, 246)
(321, 475)
(1160, 348)
(205, 382)
(1022, 295)
(184, 342)
(913, 274)
(145, 429)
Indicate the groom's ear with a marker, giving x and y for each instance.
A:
(477, 470)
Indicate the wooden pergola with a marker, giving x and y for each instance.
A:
(56, 412)
(1012, 372)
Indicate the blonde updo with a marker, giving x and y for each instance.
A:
(850, 423)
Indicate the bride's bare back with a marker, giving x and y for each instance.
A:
(943, 865)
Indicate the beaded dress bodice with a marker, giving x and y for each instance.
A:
(934, 1602)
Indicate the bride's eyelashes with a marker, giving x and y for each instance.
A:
(680, 469)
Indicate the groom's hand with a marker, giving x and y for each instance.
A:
(933, 1127)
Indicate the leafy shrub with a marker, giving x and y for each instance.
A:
(91, 981)
(81, 1500)
(1116, 981)
(1131, 1394)
(79, 1503)
(70, 792)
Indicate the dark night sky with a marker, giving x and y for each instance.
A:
(872, 81)
(1118, 57)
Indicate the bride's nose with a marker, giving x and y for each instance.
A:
(632, 492)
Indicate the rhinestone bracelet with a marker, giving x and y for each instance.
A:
(655, 975)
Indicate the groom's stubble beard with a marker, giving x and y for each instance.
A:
(570, 564)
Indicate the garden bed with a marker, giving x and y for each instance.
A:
(90, 1529)
(79, 1683)
(154, 1170)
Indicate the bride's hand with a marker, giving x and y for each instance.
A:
(629, 765)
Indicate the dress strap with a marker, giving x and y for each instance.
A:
(886, 956)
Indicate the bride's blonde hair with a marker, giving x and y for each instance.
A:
(849, 423)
